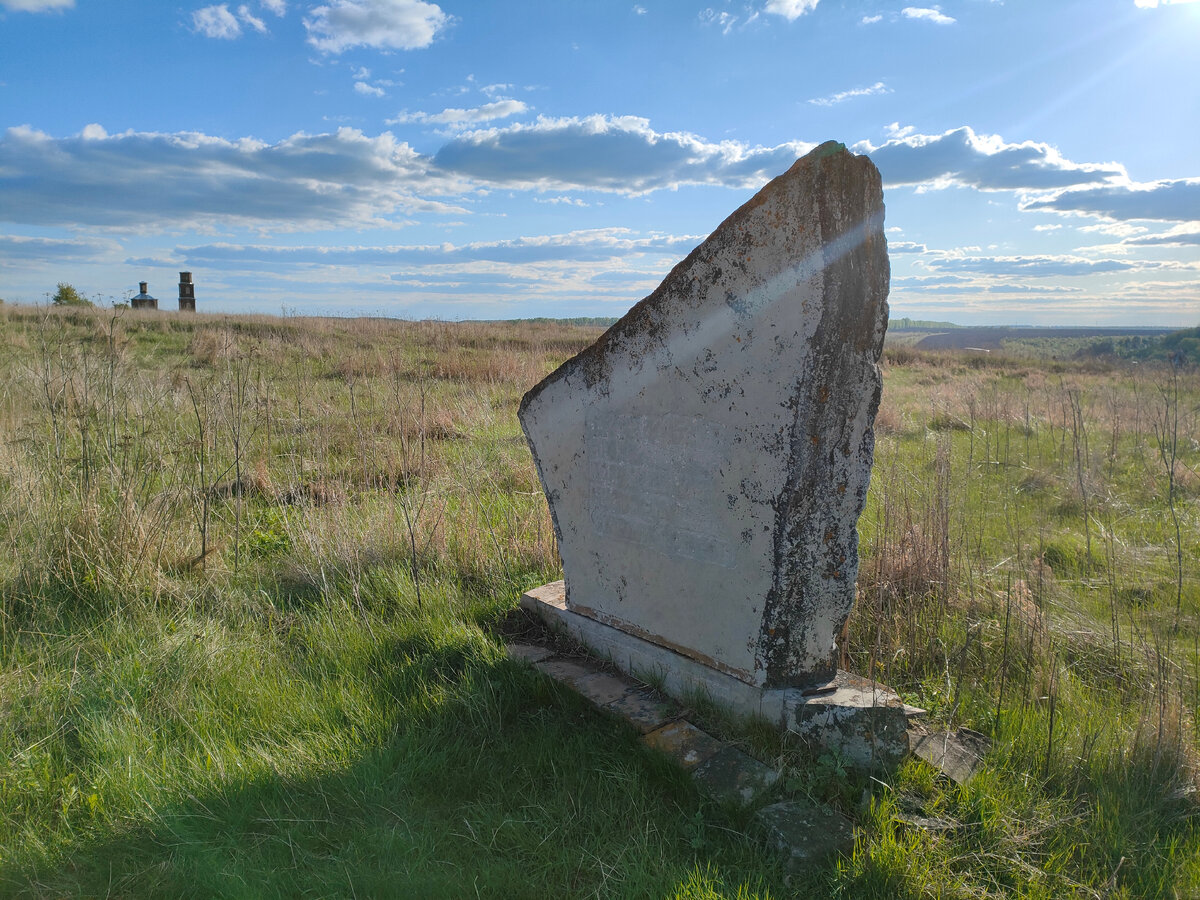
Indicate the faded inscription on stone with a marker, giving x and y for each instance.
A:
(707, 459)
(647, 489)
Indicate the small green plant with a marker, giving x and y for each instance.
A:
(269, 536)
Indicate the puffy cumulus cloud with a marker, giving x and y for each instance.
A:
(16, 248)
(278, 7)
(871, 20)
(1177, 201)
(906, 247)
(138, 180)
(622, 154)
(380, 24)
(790, 9)
(370, 90)
(216, 22)
(988, 162)
(577, 246)
(833, 99)
(498, 109)
(929, 15)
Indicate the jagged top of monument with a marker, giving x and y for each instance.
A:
(834, 165)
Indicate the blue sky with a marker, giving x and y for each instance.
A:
(512, 159)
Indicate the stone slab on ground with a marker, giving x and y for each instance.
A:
(707, 459)
(720, 769)
(531, 653)
(684, 742)
(730, 774)
(806, 833)
(958, 754)
(644, 710)
(603, 689)
(567, 671)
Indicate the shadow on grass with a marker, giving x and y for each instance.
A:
(487, 780)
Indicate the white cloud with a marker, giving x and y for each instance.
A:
(381, 24)
(1179, 236)
(15, 248)
(1045, 266)
(1114, 229)
(988, 162)
(278, 7)
(790, 9)
(576, 246)
(216, 22)
(370, 90)
(136, 181)
(871, 20)
(930, 15)
(253, 21)
(877, 88)
(37, 5)
(723, 20)
(1153, 4)
(639, 10)
(1177, 200)
(561, 201)
(622, 154)
(1046, 227)
(488, 112)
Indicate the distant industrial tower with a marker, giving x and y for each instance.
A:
(144, 300)
(187, 293)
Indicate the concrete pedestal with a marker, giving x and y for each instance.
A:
(864, 722)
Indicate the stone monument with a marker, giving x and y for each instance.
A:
(707, 459)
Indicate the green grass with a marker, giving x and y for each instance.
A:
(224, 671)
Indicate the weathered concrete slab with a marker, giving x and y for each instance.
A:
(683, 741)
(731, 775)
(604, 689)
(707, 459)
(531, 653)
(806, 833)
(567, 671)
(644, 711)
(958, 754)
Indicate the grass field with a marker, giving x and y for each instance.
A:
(255, 572)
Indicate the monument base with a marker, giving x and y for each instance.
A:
(864, 722)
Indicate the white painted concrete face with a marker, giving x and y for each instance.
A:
(707, 460)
